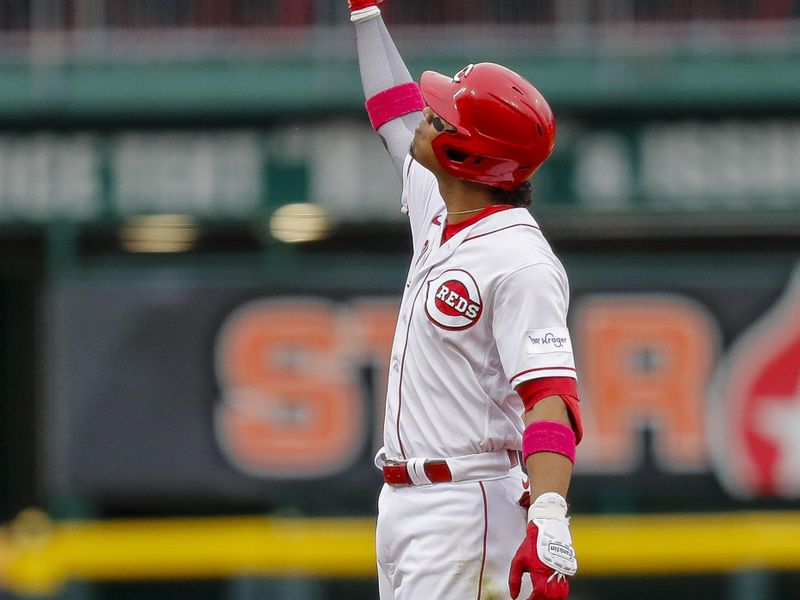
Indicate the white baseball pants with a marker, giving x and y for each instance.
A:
(450, 541)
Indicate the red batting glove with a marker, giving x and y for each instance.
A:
(548, 584)
(546, 552)
(359, 4)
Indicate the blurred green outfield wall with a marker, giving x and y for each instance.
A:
(314, 77)
(612, 166)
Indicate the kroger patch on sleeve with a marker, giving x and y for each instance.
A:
(544, 341)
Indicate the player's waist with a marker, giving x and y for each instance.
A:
(428, 471)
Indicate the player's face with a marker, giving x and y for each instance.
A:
(430, 126)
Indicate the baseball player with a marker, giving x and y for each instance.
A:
(481, 364)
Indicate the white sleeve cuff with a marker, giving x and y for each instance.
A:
(363, 14)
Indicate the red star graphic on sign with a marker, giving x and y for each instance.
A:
(756, 428)
(779, 421)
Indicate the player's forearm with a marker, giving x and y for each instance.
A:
(379, 61)
(382, 69)
(548, 471)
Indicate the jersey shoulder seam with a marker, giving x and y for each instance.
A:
(479, 235)
(521, 268)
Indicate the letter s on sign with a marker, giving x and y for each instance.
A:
(287, 405)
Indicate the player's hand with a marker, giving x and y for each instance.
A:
(547, 552)
(359, 4)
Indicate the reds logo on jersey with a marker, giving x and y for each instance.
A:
(757, 397)
(453, 300)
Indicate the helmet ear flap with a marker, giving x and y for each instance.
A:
(457, 156)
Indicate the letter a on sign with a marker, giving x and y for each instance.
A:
(756, 396)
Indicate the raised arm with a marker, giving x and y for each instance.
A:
(393, 102)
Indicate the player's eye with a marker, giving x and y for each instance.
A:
(438, 125)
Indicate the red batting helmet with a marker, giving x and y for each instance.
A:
(505, 128)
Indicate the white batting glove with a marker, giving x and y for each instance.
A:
(546, 552)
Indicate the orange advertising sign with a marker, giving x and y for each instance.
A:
(291, 402)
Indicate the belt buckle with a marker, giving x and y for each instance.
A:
(391, 462)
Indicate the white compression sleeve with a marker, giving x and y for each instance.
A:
(382, 68)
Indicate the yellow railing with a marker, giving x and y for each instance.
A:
(37, 557)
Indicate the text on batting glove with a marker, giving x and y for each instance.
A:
(546, 552)
(554, 544)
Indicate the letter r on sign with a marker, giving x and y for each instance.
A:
(646, 360)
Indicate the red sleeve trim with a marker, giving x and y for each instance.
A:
(574, 408)
(534, 390)
(521, 373)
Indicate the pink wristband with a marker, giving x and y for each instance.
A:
(548, 436)
(394, 102)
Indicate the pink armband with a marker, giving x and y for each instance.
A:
(394, 102)
(548, 436)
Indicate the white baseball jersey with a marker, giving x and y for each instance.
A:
(481, 313)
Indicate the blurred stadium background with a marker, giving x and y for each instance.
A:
(200, 261)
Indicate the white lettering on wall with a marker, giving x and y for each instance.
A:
(604, 176)
(198, 173)
(46, 176)
(730, 164)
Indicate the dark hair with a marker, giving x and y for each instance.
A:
(519, 196)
